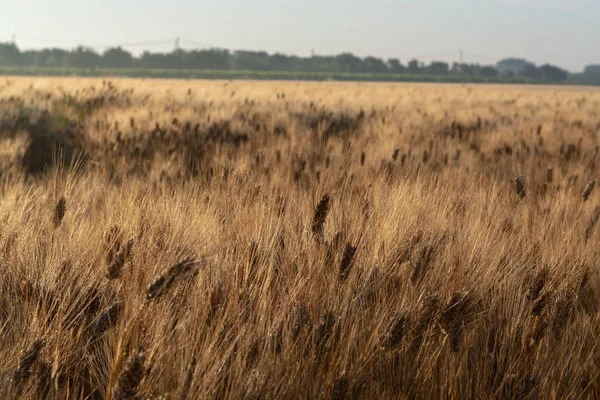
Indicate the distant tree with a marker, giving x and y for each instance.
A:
(208, 59)
(592, 69)
(172, 60)
(280, 62)
(438, 68)
(531, 72)
(589, 76)
(488, 72)
(455, 69)
(349, 62)
(514, 65)
(300, 63)
(395, 66)
(30, 58)
(9, 54)
(414, 67)
(151, 60)
(373, 65)
(176, 59)
(251, 60)
(553, 74)
(51, 58)
(468, 69)
(221, 59)
(320, 64)
(116, 57)
(84, 57)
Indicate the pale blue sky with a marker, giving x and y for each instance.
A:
(562, 32)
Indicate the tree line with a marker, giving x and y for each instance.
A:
(222, 59)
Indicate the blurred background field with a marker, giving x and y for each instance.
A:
(228, 239)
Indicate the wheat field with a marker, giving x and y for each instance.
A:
(243, 240)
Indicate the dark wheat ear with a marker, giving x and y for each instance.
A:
(320, 215)
(163, 282)
(108, 318)
(189, 378)
(537, 284)
(130, 377)
(115, 268)
(44, 381)
(520, 186)
(421, 263)
(340, 388)
(455, 312)
(563, 313)
(591, 225)
(324, 332)
(393, 339)
(112, 243)
(347, 261)
(539, 330)
(300, 320)
(59, 211)
(588, 190)
(27, 361)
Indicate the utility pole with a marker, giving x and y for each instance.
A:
(177, 43)
(312, 53)
(460, 56)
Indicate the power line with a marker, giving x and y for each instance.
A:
(196, 43)
(462, 54)
(440, 55)
(130, 44)
(38, 39)
(480, 56)
(136, 44)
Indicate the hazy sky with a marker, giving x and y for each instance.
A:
(562, 32)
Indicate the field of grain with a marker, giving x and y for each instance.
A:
(245, 240)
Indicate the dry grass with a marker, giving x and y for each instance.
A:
(219, 240)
